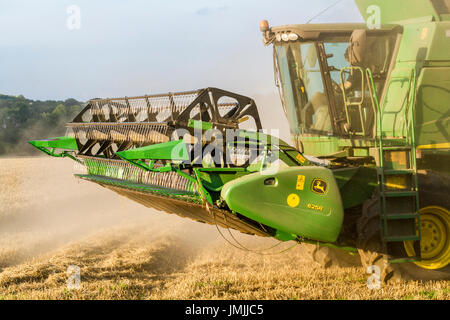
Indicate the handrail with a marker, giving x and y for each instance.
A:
(413, 144)
(409, 119)
(406, 102)
(375, 101)
(359, 103)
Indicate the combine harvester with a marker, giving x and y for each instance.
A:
(368, 103)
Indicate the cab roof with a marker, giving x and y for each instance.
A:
(314, 31)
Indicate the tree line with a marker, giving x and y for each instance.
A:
(23, 119)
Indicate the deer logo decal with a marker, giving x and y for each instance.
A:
(319, 186)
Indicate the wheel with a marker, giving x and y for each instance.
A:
(435, 248)
(369, 242)
(435, 226)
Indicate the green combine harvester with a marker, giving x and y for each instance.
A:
(368, 107)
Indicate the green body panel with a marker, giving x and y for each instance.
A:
(432, 112)
(319, 146)
(335, 146)
(315, 216)
(356, 184)
(433, 107)
(398, 11)
(67, 143)
(197, 124)
(66, 146)
(213, 180)
(424, 47)
(173, 150)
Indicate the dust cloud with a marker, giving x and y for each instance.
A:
(272, 114)
(43, 208)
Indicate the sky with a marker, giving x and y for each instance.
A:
(135, 47)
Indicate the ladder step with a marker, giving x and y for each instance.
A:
(400, 193)
(401, 216)
(398, 171)
(394, 139)
(401, 238)
(397, 148)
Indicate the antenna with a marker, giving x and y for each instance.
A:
(323, 11)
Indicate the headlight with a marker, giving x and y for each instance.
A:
(292, 36)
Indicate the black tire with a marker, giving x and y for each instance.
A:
(369, 242)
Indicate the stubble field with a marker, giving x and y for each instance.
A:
(49, 221)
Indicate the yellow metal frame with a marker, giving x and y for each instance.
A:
(435, 242)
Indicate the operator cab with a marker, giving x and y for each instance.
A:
(321, 72)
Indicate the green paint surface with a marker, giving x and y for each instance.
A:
(316, 216)
(68, 143)
(173, 150)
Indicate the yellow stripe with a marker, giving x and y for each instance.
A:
(243, 119)
(445, 145)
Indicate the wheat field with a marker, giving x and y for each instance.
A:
(49, 221)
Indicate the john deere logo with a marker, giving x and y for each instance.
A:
(319, 186)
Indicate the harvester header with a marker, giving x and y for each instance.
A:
(189, 153)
